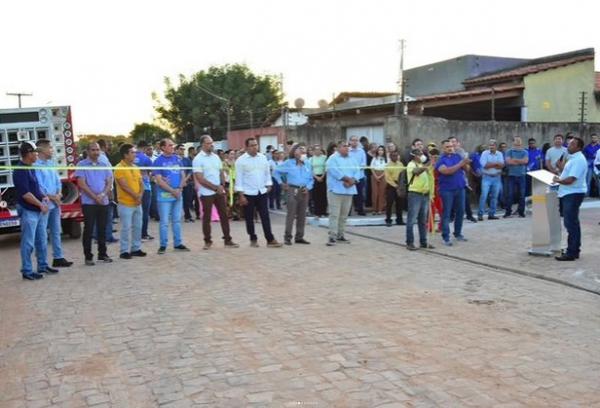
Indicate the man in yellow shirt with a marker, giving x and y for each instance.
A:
(392, 171)
(130, 190)
(419, 188)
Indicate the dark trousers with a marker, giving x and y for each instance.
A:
(516, 185)
(569, 206)
(188, 200)
(319, 193)
(259, 203)
(94, 215)
(146, 201)
(468, 210)
(275, 195)
(153, 202)
(359, 198)
(391, 198)
(219, 201)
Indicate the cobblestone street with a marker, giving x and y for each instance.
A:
(368, 324)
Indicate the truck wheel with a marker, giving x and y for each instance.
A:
(73, 228)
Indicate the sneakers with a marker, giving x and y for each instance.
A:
(139, 252)
(231, 244)
(331, 242)
(274, 244)
(32, 276)
(182, 248)
(147, 238)
(254, 244)
(161, 250)
(411, 247)
(343, 240)
(461, 238)
(125, 255)
(105, 259)
(61, 263)
(447, 243)
(207, 245)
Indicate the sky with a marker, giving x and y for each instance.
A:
(106, 58)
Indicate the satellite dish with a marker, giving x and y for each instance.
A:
(299, 103)
(323, 104)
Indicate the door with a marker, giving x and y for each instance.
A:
(373, 133)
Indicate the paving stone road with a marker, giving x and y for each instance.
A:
(362, 325)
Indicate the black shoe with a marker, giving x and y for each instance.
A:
(411, 247)
(426, 246)
(388, 224)
(492, 217)
(302, 241)
(181, 248)
(105, 259)
(139, 252)
(287, 241)
(125, 255)
(90, 262)
(33, 276)
(147, 238)
(565, 257)
(507, 215)
(50, 271)
(521, 215)
(472, 219)
(331, 242)
(480, 218)
(161, 250)
(361, 213)
(61, 263)
(343, 240)
(400, 222)
(564, 252)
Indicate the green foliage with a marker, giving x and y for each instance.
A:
(199, 104)
(84, 140)
(148, 132)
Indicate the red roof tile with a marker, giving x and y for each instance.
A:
(470, 92)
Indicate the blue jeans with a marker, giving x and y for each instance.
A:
(453, 200)
(54, 226)
(34, 235)
(170, 212)
(491, 186)
(146, 201)
(569, 205)
(516, 183)
(131, 226)
(418, 212)
(589, 174)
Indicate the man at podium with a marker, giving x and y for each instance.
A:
(571, 190)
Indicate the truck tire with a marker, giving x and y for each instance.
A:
(73, 228)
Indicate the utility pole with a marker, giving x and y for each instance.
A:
(493, 104)
(401, 83)
(19, 95)
(582, 107)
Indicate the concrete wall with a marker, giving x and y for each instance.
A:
(403, 130)
(554, 95)
(237, 138)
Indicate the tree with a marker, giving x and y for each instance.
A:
(148, 132)
(200, 103)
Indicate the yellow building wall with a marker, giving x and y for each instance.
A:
(555, 95)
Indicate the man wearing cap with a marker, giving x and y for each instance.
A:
(95, 181)
(32, 207)
(51, 187)
(419, 187)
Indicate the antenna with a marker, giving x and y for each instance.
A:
(19, 95)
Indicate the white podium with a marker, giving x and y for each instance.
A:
(545, 223)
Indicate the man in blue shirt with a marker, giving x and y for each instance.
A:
(170, 181)
(492, 163)
(358, 154)
(516, 160)
(534, 163)
(343, 174)
(32, 207)
(571, 191)
(189, 191)
(143, 160)
(51, 187)
(95, 181)
(298, 182)
(590, 155)
(452, 189)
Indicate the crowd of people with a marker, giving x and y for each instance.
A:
(163, 182)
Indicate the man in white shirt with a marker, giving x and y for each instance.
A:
(208, 172)
(253, 183)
